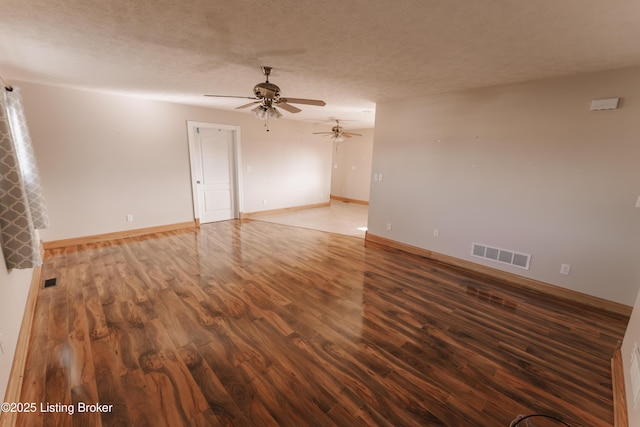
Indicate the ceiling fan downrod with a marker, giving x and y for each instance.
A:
(267, 72)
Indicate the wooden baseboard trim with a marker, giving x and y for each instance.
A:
(620, 414)
(16, 376)
(525, 282)
(348, 200)
(55, 244)
(249, 215)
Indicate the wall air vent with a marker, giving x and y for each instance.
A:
(50, 282)
(501, 255)
(605, 104)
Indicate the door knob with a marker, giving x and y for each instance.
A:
(198, 182)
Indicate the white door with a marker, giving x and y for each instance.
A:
(213, 169)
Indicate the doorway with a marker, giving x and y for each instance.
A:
(214, 152)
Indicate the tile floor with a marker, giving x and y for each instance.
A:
(340, 217)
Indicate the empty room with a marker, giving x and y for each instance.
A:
(339, 213)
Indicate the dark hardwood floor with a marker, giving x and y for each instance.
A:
(258, 324)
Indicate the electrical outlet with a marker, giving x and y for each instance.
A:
(129, 217)
(264, 202)
(388, 226)
(565, 269)
(436, 232)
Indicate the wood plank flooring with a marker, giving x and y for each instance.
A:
(258, 324)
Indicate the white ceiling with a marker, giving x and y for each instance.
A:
(350, 53)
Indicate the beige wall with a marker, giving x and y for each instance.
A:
(525, 167)
(102, 156)
(14, 288)
(351, 177)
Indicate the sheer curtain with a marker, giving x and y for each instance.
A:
(22, 205)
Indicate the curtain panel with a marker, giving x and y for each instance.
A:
(22, 205)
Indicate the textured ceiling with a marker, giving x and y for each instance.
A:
(350, 53)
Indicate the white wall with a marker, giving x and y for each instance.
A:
(631, 337)
(525, 167)
(14, 289)
(289, 166)
(351, 177)
(102, 156)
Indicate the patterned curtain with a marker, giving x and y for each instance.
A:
(22, 205)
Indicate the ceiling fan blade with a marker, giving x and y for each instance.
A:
(247, 105)
(231, 96)
(350, 134)
(289, 108)
(303, 101)
(323, 133)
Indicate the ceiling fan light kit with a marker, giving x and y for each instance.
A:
(337, 133)
(261, 112)
(267, 96)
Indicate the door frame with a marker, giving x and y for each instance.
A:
(195, 163)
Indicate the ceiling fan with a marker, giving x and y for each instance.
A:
(337, 133)
(267, 96)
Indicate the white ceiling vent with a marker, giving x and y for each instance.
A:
(605, 104)
(504, 256)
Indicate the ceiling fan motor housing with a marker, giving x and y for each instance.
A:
(266, 90)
